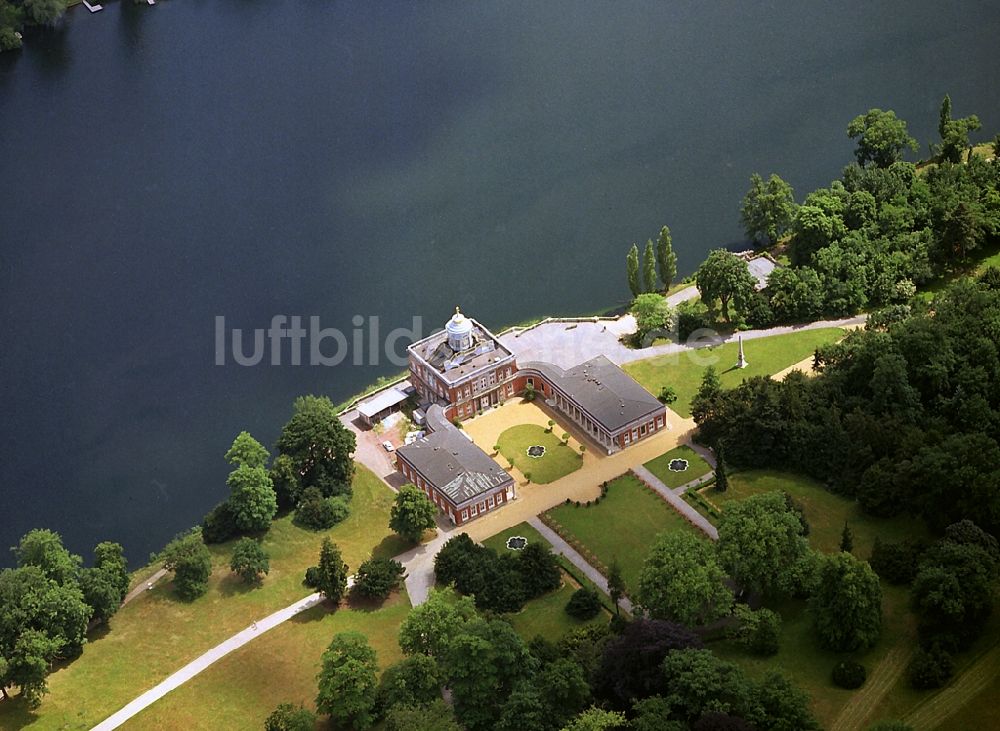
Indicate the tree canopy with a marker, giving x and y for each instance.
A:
(881, 137)
(348, 681)
(412, 513)
(725, 277)
(768, 209)
(682, 581)
(319, 446)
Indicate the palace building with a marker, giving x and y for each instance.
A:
(464, 370)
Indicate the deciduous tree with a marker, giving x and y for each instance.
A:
(649, 268)
(681, 581)
(247, 451)
(429, 627)
(188, 557)
(348, 681)
(768, 209)
(725, 277)
(412, 513)
(881, 137)
(761, 543)
(252, 498)
(250, 561)
(320, 446)
(847, 604)
(376, 578)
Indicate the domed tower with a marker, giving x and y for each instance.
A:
(459, 329)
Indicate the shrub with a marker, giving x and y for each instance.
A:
(667, 395)
(849, 674)
(250, 562)
(319, 513)
(759, 631)
(584, 604)
(287, 717)
(189, 558)
(930, 668)
(377, 577)
(897, 563)
(219, 525)
(312, 577)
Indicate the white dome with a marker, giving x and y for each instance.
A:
(459, 329)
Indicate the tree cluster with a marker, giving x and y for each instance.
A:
(868, 239)
(500, 583)
(905, 419)
(47, 603)
(659, 262)
(252, 502)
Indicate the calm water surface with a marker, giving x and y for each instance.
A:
(164, 165)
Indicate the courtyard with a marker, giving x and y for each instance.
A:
(539, 453)
(582, 484)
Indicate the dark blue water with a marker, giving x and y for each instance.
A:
(165, 165)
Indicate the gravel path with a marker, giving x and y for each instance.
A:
(689, 513)
(562, 548)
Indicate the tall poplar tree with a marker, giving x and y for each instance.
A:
(632, 267)
(666, 259)
(945, 115)
(649, 268)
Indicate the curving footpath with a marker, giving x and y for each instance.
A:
(216, 653)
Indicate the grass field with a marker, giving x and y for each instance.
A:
(558, 461)
(801, 658)
(156, 634)
(240, 690)
(545, 615)
(623, 525)
(825, 511)
(766, 356)
(695, 469)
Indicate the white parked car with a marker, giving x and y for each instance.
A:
(388, 446)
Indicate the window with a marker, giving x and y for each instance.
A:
(491, 502)
(627, 439)
(474, 511)
(467, 392)
(659, 421)
(642, 429)
(507, 373)
(531, 382)
(465, 515)
(635, 433)
(493, 378)
(482, 382)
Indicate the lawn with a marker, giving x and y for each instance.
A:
(240, 690)
(546, 615)
(156, 634)
(825, 511)
(696, 467)
(558, 461)
(622, 526)
(767, 356)
(803, 661)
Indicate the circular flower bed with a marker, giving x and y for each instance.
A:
(516, 543)
(678, 465)
(536, 450)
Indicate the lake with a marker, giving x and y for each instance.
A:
(167, 165)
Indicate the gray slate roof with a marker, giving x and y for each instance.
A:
(604, 390)
(454, 465)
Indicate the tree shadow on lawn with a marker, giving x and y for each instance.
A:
(233, 585)
(393, 545)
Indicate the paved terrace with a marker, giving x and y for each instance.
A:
(567, 344)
